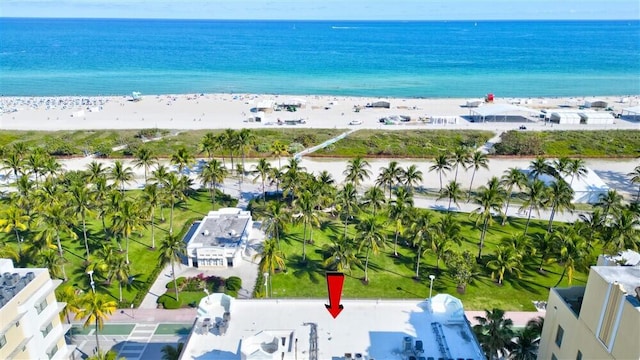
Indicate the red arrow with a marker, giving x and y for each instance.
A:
(335, 280)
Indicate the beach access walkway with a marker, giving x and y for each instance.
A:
(313, 149)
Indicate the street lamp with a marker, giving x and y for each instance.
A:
(93, 284)
(266, 287)
(431, 277)
(133, 315)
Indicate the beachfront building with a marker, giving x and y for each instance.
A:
(303, 329)
(217, 240)
(30, 326)
(596, 321)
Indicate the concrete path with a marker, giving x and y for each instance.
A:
(486, 147)
(323, 145)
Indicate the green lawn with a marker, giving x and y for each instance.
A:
(391, 277)
(404, 143)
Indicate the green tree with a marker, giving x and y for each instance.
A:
(262, 170)
(462, 268)
(172, 248)
(357, 171)
(14, 219)
(175, 188)
(560, 197)
(120, 175)
(152, 198)
(182, 158)
(421, 234)
(172, 353)
(453, 191)
(370, 236)
(623, 233)
(308, 215)
(577, 169)
(445, 232)
(399, 210)
(539, 167)
(209, 144)
(276, 219)
(441, 165)
(490, 198)
(412, 177)
(460, 157)
(229, 139)
(271, 259)
(213, 172)
(634, 177)
(245, 139)
(390, 176)
(341, 255)
(512, 177)
(571, 251)
(477, 161)
(494, 333)
(505, 259)
(82, 206)
(347, 203)
(609, 202)
(535, 198)
(279, 150)
(95, 309)
(144, 158)
(128, 219)
(374, 199)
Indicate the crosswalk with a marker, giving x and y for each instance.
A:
(137, 341)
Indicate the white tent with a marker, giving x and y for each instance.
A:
(632, 113)
(504, 111)
(596, 117)
(565, 117)
(587, 188)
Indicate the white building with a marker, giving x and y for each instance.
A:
(301, 329)
(218, 239)
(30, 326)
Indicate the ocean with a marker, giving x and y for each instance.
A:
(47, 57)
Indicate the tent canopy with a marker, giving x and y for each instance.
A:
(502, 110)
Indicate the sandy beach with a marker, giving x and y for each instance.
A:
(211, 111)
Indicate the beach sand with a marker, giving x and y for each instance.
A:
(212, 111)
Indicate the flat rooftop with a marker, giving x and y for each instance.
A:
(220, 229)
(375, 329)
(627, 276)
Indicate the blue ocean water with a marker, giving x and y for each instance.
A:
(363, 58)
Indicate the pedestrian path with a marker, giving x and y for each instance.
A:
(486, 147)
(323, 145)
(136, 343)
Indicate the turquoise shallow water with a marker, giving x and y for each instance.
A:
(398, 59)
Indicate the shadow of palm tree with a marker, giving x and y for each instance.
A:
(310, 268)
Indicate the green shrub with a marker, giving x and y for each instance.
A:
(169, 302)
(180, 281)
(520, 143)
(233, 283)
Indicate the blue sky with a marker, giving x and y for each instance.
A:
(326, 9)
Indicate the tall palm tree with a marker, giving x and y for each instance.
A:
(341, 254)
(571, 251)
(96, 308)
(412, 177)
(490, 198)
(57, 217)
(35, 162)
(512, 177)
(634, 177)
(577, 169)
(14, 162)
(182, 158)
(370, 236)
(262, 169)
(69, 295)
(120, 175)
(145, 159)
(347, 203)
(308, 215)
(14, 219)
(460, 157)
(609, 202)
(525, 346)
(229, 140)
(160, 176)
(357, 171)
(82, 206)
(120, 270)
(453, 191)
(271, 258)
(373, 198)
(421, 233)
(623, 234)
(172, 248)
(276, 219)
(96, 171)
(209, 144)
(152, 198)
(560, 199)
(505, 259)
(390, 176)
(494, 333)
(441, 165)
(279, 150)
(245, 138)
(539, 167)
(445, 231)
(292, 176)
(212, 173)
(127, 219)
(175, 191)
(477, 161)
(561, 167)
(399, 209)
(535, 199)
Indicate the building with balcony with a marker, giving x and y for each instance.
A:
(218, 239)
(30, 326)
(597, 321)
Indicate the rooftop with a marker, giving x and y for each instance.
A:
(366, 329)
(627, 276)
(220, 228)
(13, 280)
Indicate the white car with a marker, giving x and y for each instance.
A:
(355, 122)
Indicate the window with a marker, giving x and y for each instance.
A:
(579, 355)
(553, 357)
(51, 353)
(3, 341)
(41, 306)
(47, 330)
(559, 336)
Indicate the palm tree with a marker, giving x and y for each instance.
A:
(441, 165)
(357, 170)
(278, 150)
(571, 251)
(577, 168)
(347, 203)
(276, 219)
(229, 139)
(370, 236)
(374, 198)
(292, 176)
(535, 199)
(14, 219)
(453, 191)
(390, 176)
(460, 157)
(560, 199)
(120, 269)
(48, 258)
(490, 198)
(245, 138)
(69, 295)
(275, 177)
(634, 177)
(512, 177)
(152, 197)
(95, 171)
(120, 175)
(477, 160)
(623, 234)
(341, 255)
(308, 215)
(421, 233)
(145, 159)
(172, 248)
(505, 259)
(57, 217)
(13, 161)
(494, 333)
(82, 205)
(209, 144)
(609, 202)
(399, 208)
(540, 166)
(175, 190)
(182, 158)
(412, 177)
(36, 161)
(126, 220)
(271, 259)
(525, 346)
(95, 308)
(445, 231)
(561, 167)
(262, 169)
(213, 173)
(172, 353)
